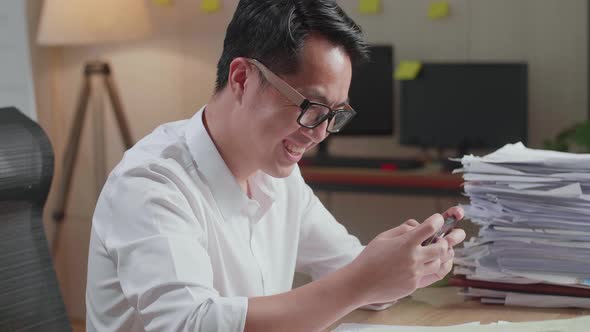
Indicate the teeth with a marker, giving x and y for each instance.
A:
(294, 149)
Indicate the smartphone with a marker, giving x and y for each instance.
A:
(447, 227)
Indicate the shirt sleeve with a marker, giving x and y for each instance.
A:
(155, 238)
(324, 244)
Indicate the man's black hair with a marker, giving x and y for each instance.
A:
(274, 31)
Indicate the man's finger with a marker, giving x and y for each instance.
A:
(445, 268)
(432, 267)
(455, 212)
(435, 251)
(427, 229)
(412, 222)
(455, 237)
(396, 231)
(428, 280)
(448, 256)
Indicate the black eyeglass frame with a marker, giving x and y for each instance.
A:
(304, 104)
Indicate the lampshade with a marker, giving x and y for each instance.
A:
(68, 22)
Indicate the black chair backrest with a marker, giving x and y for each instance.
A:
(30, 298)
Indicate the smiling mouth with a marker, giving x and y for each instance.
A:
(293, 149)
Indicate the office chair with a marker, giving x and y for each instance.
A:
(30, 298)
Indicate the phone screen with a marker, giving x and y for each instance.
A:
(444, 230)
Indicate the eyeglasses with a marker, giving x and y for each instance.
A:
(312, 113)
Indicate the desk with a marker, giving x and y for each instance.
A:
(442, 306)
(427, 181)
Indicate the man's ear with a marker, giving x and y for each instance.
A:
(239, 73)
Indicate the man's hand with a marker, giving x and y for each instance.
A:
(453, 238)
(395, 263)
(392, 266)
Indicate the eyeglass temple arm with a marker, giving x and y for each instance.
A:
(293, 95)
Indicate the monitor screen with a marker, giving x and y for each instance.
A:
(371, 94)
(465, 105)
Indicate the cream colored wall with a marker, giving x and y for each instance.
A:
(550, 35)
(171, 74)
(16, 81)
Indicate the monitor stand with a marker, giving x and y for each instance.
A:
(324, 159)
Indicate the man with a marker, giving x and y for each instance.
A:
(203, 223)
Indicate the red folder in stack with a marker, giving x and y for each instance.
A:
(547, 289)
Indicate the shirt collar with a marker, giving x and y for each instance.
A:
(229, 196)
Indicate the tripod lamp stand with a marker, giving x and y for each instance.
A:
(89, 22)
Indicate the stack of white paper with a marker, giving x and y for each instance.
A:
(533, 207)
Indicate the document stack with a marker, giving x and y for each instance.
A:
(533, 209)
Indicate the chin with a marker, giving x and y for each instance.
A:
(279, 171)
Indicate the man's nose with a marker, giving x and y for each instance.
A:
(318, 133)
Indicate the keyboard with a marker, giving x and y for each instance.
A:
(373, 163)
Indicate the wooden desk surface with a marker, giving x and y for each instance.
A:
(442, 307)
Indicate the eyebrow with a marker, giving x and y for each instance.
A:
(314, 94)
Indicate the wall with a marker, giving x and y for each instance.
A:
(171, 74)
(16, 82)
(550, 35)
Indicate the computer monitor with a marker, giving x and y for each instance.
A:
(465, 105)
(371, 94)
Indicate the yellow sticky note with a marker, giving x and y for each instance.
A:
(163, 2)
(438, 9)
(369, 6)
(407, 70)
(210, 6)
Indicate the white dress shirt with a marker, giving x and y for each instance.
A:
(176, 245)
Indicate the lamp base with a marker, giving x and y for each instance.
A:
(103, 69)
